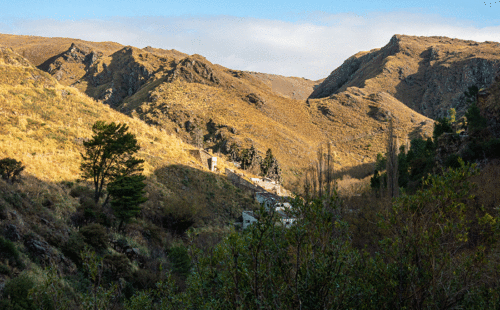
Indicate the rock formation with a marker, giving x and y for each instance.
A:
(428, 74)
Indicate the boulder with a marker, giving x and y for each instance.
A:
(12, 233)
(255, 99)
(40, 249)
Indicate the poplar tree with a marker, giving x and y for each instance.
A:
(392, 161)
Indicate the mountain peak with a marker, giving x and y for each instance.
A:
(428, 74)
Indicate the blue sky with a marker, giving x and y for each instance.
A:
(296, 38)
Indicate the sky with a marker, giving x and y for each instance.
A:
(292, 38)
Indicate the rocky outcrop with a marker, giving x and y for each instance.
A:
(124, 76)
(355, 66)
(428, 74)
(79, 55)
(195, 69)
(254, 99)
(9, 57)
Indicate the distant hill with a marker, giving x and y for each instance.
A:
(182, 94)
(427, 74)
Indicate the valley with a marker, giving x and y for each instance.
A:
(316, 137)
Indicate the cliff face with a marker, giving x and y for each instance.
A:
(428, 74)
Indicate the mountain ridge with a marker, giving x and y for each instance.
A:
(428, 74)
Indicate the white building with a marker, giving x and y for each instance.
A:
(249, 218)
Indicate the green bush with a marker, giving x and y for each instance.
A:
(95, 235)
(15, 294)
(452, 161)
(145, 279)
(441, 126)
(181, 263)
(14, 199)
(8, 251)
(116, 266)
(4, 270)
(73, 247)
(492, 148)
(10, 169)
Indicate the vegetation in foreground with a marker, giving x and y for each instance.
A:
(436, 248)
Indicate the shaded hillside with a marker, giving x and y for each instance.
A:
(428, 74)
(489, 104)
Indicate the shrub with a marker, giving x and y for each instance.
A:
(10, 169)
(73, 247)
(492, 148)
(14, 199)
(145, 279)
(15, 294)
(79, 191)
(116, 266)
(95, 235)
(441, 126)
(9, 252)
(452, 161)
(4, 270)
(181, 263)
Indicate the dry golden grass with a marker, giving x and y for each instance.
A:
(292, 128)
(43, 125)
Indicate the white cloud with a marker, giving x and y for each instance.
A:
(311, 47)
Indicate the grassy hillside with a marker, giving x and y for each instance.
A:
(187, 95)
(44, 123)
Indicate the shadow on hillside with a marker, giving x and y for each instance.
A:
(46, 64)
(418, 132)
(123, 77)
(357, 172)
(412, 88)
(436, 80)
(198, 198)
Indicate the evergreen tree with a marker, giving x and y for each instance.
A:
(109, 155)
(441, 126)
(127, 194)
(403, 167)
(475, 121)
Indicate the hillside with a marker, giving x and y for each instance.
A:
(43, 124)
(489, 105)
(187, 95)
(427, 74)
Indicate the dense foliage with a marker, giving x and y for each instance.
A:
(109, 155)
(10, 169)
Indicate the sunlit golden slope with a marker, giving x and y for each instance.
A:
(43, 124)
(428, 74)
(179, 93)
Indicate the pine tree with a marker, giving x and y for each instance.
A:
(109, 156)
(127, 194)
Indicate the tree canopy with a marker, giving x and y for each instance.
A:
(109, 155)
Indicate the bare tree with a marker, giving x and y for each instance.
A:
(392, 161)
